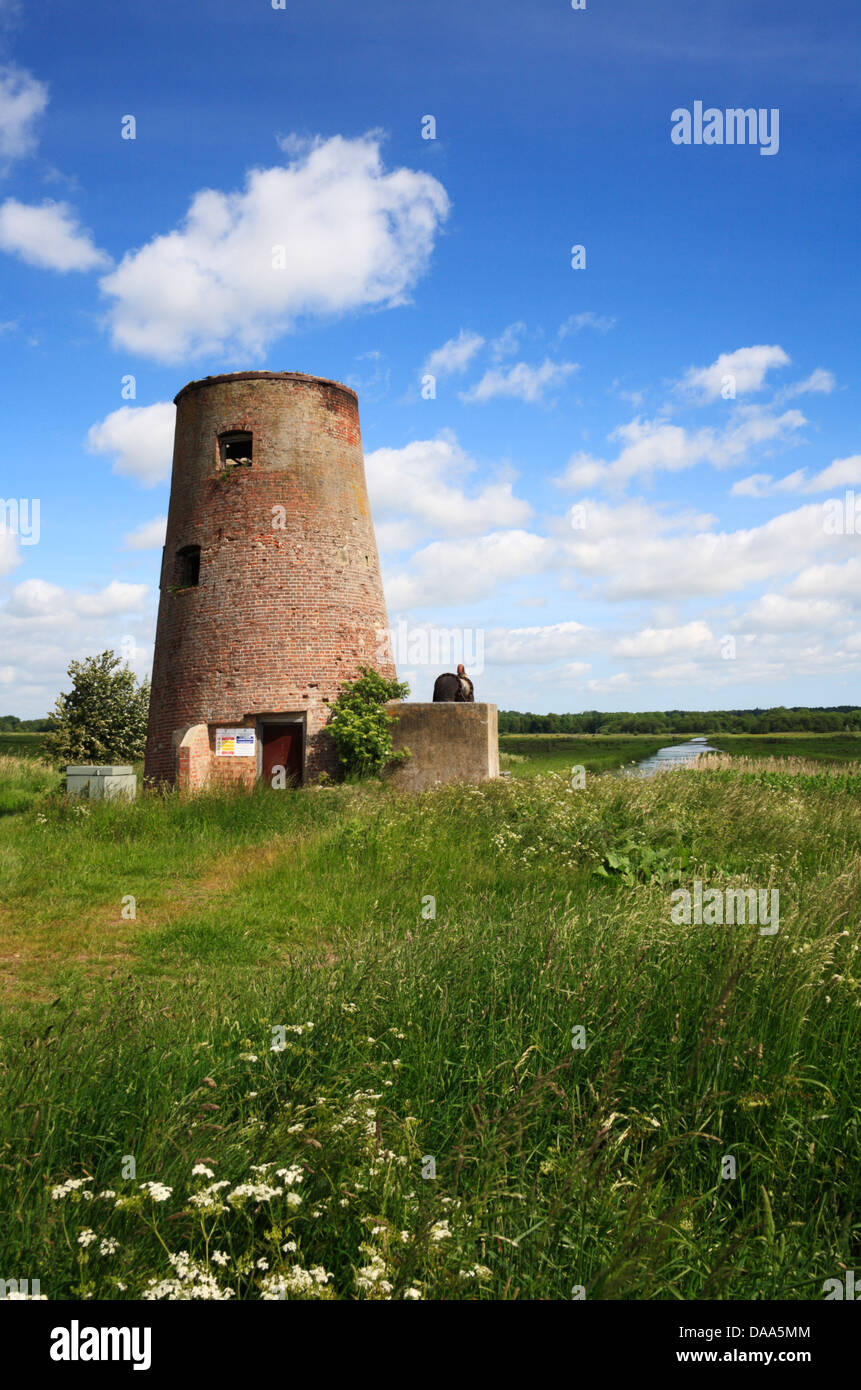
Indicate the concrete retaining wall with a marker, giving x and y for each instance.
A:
(448, 743)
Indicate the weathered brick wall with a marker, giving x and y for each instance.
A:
(192, 757)
(290, 597)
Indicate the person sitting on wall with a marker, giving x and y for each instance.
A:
(459, 688)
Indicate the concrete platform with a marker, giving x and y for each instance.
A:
(448, 743)
(101, 782)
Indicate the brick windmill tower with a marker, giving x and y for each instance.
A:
(271, 594)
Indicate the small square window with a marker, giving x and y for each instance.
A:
(235, 448)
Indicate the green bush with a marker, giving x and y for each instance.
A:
(362, 727)
(103, 718)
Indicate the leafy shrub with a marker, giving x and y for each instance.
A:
(362, 727)
(103, 718)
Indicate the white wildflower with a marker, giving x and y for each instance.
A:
(261, 1192)
(156, 1190)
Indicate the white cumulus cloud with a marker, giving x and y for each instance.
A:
(667, 641)
(9, 553)
(451, 572)
(422, 486)
(332, 232)
(40, 600)
(48, 237)
(536, 646)
(43, 627)
(652, 446)
(139, 439)
(747, 367)
(633, 552)
(782, 613)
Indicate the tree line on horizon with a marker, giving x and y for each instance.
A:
(11, 724)
(829, 719)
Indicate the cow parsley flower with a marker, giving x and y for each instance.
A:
(156, 1190)
(70, 1185)
(290, 1175)
(261, 1192)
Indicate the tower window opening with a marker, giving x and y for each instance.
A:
(235, 447)
(188, 567)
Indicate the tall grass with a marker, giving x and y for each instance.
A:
(427, 960)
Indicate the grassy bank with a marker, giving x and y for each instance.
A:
(21, 745)
(321, 992)
(825, 748)
(528, 755)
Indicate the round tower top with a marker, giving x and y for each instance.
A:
(264, 376)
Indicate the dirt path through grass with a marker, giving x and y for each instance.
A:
(102, 940)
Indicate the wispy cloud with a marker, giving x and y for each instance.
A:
(841, 473)
(454, 355)
(520, 382)
(576, 322)
(23, 99)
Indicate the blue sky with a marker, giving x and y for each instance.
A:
(633, 486)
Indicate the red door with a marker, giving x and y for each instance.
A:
(282, 747)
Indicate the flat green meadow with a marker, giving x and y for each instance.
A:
(350, 1044)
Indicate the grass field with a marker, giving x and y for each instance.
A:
(323, 997)
(21, 745)
(826, 748)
